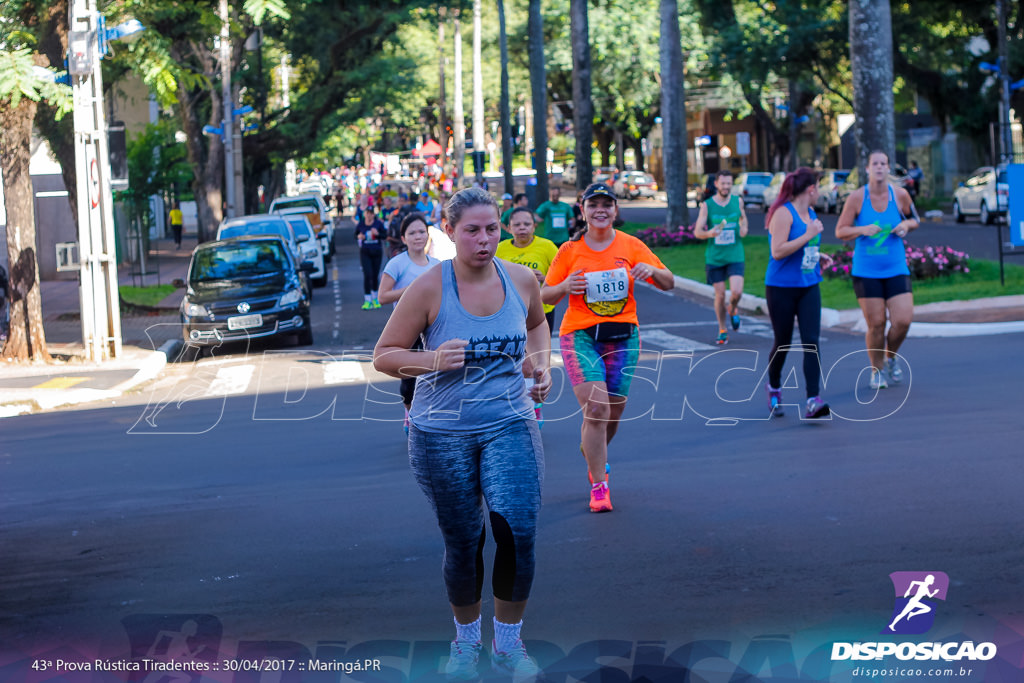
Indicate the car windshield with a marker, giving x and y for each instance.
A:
(304, 202)
(759, 179)
(301, 228)
(840, 176)
(268, 227)
(264, 259)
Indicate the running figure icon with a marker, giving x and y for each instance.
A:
(915, 606)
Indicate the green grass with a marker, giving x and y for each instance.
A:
(146, 296)
(983, 280)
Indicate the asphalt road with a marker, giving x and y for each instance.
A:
(257, 506)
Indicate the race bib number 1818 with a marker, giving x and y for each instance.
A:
(607, 285)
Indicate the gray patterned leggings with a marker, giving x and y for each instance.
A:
(459, 472)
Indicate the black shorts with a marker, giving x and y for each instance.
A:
(723, 273)
(881, 287)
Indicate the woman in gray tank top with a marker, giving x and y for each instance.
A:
(473, 437)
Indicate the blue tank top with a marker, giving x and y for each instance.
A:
(883, 255)
(801, 268)
(489, 389)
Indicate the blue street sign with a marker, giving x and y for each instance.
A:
(210, 130)
(1015, 180)
(703, 141)
(989, 66)
(242, 111)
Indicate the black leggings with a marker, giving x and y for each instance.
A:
(804, 304)
(370, 261)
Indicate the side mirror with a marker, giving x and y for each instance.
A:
(178, 283)
(307, 266)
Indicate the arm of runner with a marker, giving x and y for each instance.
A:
(845, 229)
(538, 336)
(662, 278)
(700, 230)
(743, 219)
(416, 309)
(576, 283)
(387, 293)
(781, 246)
(911, 221)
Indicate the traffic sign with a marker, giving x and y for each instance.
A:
(743, 144)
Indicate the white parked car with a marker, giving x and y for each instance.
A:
(569, 174)
(771, 193)
(984, 194)
(313, 207)
(310, 247)
(828, 189)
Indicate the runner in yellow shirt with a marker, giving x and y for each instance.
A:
(536, 253)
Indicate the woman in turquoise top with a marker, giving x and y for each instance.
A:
(879, 217)
(791, 286)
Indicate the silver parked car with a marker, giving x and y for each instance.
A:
(984, 194)
(750, 187)
(828, 189)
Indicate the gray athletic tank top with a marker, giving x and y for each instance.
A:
(489, 390)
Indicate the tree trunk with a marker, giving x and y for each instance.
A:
(206, 155)
(673, 115)
(459, 145)
(60, 135)
(26, 340)
(506, 125)
(539, 93)
(872, 66)
(583, 104)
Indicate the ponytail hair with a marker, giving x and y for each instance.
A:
(795, 184)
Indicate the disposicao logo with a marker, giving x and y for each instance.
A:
(913, 613)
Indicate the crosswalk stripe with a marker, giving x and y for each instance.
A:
(672, 342)
(231, 380)
(343, 371)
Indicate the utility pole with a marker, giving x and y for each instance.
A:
(98, 293)
(459, 146)
(228, 119)
(1005, 136)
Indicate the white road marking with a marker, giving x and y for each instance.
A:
(231, 380)
(671, 342)
(342, 371)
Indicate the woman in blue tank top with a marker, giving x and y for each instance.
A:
(878, 217)
(473, 437)
(791, 287)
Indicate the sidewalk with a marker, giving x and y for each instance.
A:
(147, 338)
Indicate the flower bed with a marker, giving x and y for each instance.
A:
(660, 236)
(925, 263)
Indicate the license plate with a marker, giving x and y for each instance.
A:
(244, 322)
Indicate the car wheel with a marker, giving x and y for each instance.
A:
(319, 282)
(985, 217)
(957, 213)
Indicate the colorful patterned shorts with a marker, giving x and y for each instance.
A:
(586, 360)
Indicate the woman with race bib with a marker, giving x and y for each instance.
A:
(881, 278)
(599, 334)
(791, 286)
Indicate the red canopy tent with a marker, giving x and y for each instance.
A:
(429, 149)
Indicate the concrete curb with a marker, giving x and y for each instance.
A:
(147, 365)
(749, 303)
